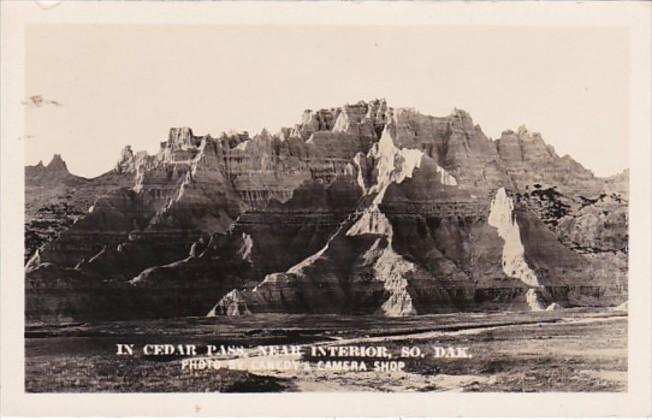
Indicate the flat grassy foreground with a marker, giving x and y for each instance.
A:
(579, 350)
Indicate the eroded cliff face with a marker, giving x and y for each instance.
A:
(501, 216)
(55, 200)
(362, 209)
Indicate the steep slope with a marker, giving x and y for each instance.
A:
(529, 160)
(618, 184)
(423, 242)
(55, 199)
(362, 209)
(47, 210)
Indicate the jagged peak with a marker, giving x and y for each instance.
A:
(57, 164)
(126, 160)
(568, 159)
(39, 167)
(362, 102)
(622, 174)
(523, 133)
(126, 153)
(180, 131)
(376, 102)
(181, 138)
(460, 113)
(348, 117)
(54, 171)
(526, 134)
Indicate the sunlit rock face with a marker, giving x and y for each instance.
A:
(359, 209)
(501, 216)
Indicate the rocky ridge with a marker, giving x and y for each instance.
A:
(362, 209)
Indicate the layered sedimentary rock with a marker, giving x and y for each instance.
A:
(361, 209)
(55, 199)
(528, 161)
(48, 209)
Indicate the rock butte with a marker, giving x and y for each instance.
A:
(359, 209)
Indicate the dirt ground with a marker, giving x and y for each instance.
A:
(578, 350)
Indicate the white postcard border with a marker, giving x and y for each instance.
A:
(633, 15)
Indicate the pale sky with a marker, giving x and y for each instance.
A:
(128, 84)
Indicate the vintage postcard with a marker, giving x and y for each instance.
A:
(336, 208)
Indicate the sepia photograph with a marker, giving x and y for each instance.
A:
(291, 208)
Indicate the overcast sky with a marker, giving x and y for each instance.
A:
(119, 84)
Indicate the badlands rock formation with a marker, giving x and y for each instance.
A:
(55, 199)
(361, 209)
(48, 209)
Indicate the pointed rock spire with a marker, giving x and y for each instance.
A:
(57, 164)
